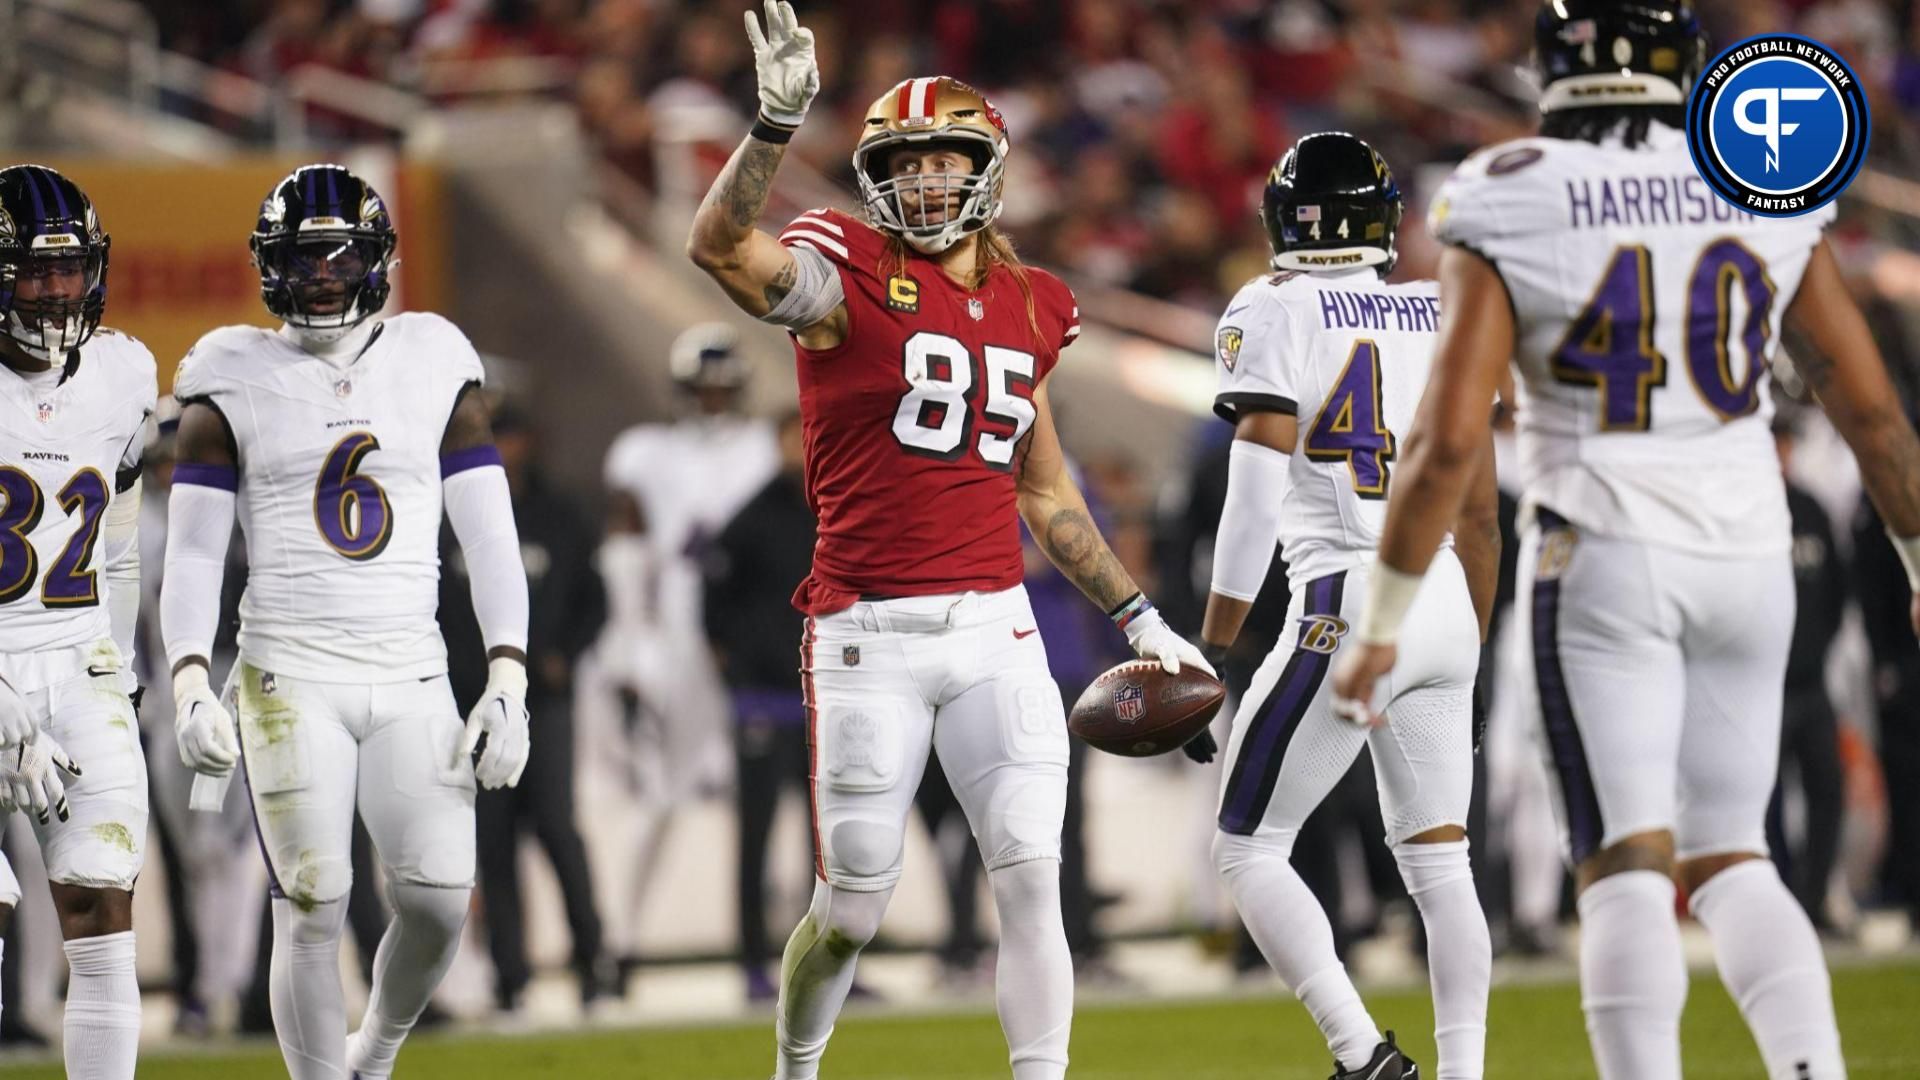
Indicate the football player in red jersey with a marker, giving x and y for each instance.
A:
(923, 347)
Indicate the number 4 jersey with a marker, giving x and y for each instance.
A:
(1348, 355)
(913, 422)
(339, 494)
(70, 441)
(1646, 309)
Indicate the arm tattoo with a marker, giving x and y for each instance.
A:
(749, 180)
(782, 284)
(1074, 544)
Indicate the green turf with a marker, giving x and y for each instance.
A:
(1536, 1032)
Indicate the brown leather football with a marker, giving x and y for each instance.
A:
(1138, 710)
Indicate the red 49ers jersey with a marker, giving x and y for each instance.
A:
(911, 423)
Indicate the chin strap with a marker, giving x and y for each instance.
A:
(333, 341)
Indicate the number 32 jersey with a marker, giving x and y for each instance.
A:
(1646, 310)
(912, 423)
(339, 496)
(69, 443)
(1346, 354)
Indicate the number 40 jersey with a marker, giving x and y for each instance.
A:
(339, 494)
(1348, 355)
(1646, 310)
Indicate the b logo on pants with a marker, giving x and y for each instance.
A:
(1322, 633)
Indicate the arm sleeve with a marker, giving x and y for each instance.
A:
(817, 290)
(1257, 484)
(123, 576)
(480, 508)
(1250, 354)
(199, 526)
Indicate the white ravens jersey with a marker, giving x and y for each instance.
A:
(339, 496)
(1348, 355)
(70, 441)
(689, 479)
(1646, 311)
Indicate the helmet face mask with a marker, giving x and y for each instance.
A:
(1331, 203)
(320, 269)
(931, 210)
(53, 263)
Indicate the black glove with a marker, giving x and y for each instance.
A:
(1201, 747)
(1217, 656)
(1479, 715)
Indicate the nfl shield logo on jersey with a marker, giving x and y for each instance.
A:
(850, 656)
(1130, 703)
(976, 309)
(44, 411)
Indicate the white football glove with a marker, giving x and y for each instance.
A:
(783, 62)
(502, 716)
(30, 778)
(16, 720)
(201, 725)
(1153, 639)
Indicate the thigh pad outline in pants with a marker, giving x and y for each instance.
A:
(103, 842)
(416, 789)
(1287, 749)
(300, 761)
(1608, 669)
(1740, 627)
(869, 730)
(1003, 744)
(1423, 754)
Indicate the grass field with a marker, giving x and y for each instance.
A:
(1536, 1032)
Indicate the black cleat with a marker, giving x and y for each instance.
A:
(1387, 1063)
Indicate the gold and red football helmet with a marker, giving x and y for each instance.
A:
(919, 112)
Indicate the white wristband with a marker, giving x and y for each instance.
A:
(190, 678)
(1390, 593)
(506, 673)
(1909, 549)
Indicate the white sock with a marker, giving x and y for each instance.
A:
(309, 1013)
(1033, 982)
(1633, 979)
(1459, 953)
(1770, 959)
(102, 1026)
(1294, 935)
(413, 955)
(816, 971)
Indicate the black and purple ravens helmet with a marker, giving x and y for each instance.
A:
(1591, 53)
(1331, 203)
(324, 248)
(53, 262)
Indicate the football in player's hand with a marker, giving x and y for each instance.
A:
(1138, 710)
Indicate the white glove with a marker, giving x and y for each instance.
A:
(30, 778)
(1153, 639)
(201, 725)
(16, 720)
(783, 62)
(502, 716)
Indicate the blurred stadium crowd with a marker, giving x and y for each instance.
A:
(1142, 131)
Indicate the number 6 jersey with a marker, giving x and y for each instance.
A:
(339, 494)
(912, 423)
(1645, 312)
(1348, 355)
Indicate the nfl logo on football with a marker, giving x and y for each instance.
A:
(1130, 703)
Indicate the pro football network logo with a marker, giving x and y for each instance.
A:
(1778, 125)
